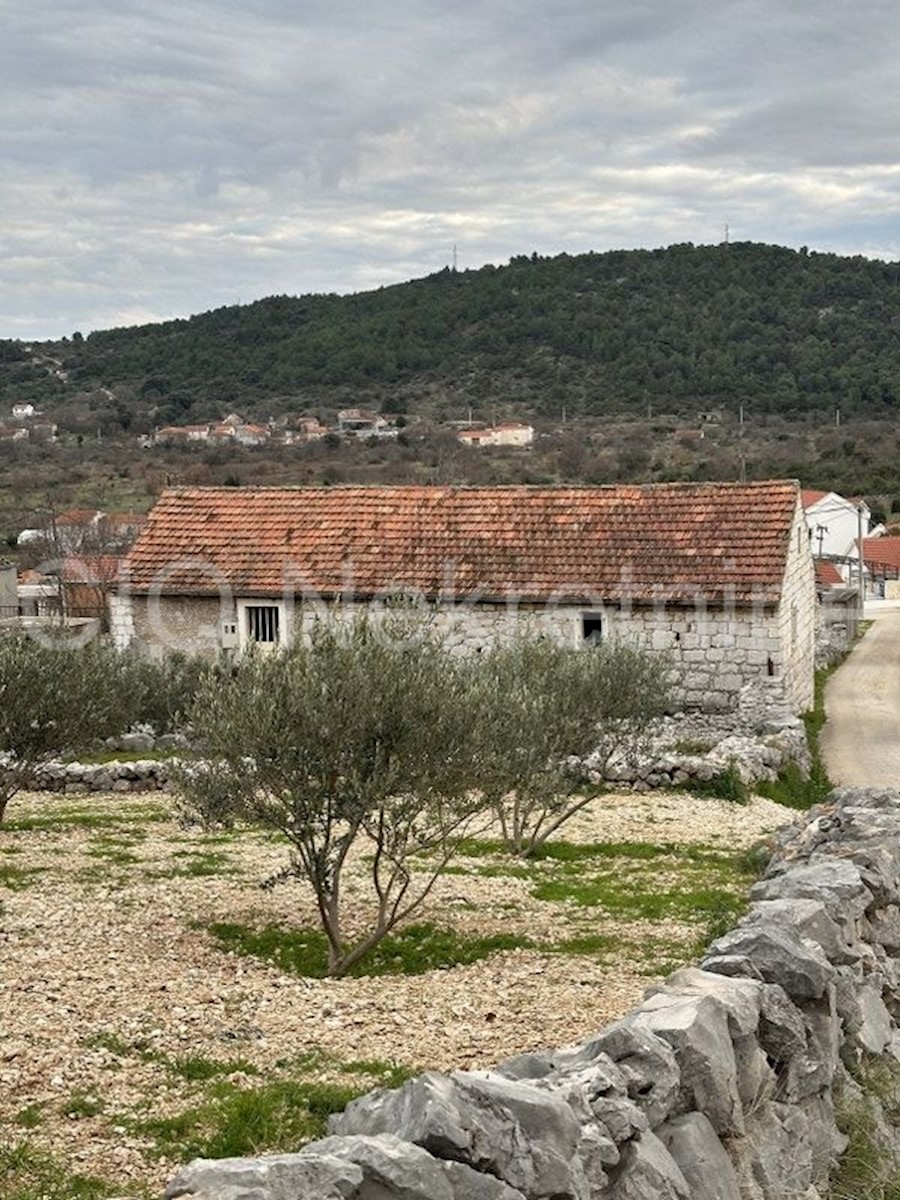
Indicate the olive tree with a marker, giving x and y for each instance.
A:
(54, 697)
(357, 738)
(555, 707)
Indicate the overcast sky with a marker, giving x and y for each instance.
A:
(160, 159)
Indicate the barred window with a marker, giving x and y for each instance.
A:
(263, 623)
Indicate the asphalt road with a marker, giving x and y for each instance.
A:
(860, 741)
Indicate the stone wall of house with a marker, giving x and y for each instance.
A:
(797, 620)
(716, 654)
(837, 623)
(724, 1084)
(166, 624)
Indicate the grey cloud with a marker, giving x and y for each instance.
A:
(158, 160)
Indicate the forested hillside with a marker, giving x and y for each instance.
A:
(683, 329)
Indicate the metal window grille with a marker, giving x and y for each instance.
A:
(263, 623)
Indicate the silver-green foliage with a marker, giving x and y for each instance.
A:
(356, 735)
(53, 698)
(557, 706)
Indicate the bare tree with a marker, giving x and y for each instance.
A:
(554, 708)
(355, 737)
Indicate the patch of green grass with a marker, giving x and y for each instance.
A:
(197, 1069)
(641, 900)
(81, 1104)
(411, 951)
(596, 945)
(87, 818)
(30, 1117)
(278, 1116)
(29, 1174)
(508, 869)
(113, 850)
(626, 879)
(16, 879)
(572, 852)
(793, 789)
(105, 1040)
(866, 1170)
(726, 785)
(199, 863)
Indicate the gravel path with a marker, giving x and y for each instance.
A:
(861, 738)
(105, 973)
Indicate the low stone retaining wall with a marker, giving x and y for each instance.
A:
(145, 775)
(755, 758)
(722, 1085)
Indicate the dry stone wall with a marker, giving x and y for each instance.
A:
(722, 1085)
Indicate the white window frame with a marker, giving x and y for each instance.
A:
(593, 616)
(243, 623)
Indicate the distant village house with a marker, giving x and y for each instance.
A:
(510, 433)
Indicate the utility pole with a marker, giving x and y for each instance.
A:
(837, 418)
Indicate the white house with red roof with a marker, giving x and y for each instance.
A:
(717, 576)
(833, 522)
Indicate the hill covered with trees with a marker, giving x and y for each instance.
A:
(682, 329)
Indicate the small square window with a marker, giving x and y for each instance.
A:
(263, 623)
(592, 629)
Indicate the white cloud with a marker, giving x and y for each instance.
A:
(161, 160)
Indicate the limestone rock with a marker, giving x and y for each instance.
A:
(779, 955)
(696, 1027)
(701, 1157)
(394, 1168)
(648, 1066)
(526, 1136)
(809, 919)
(740, 998)
(276, 1177)
(648, 1172)
(838, 884)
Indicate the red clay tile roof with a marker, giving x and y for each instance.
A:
(89, 568)
(881, 553)
(827, 573)
(809, 497)
(664, 541)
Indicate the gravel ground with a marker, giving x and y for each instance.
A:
(105, 972)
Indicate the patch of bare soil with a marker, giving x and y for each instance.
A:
(107, 973)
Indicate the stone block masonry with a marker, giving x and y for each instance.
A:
(722, 1085)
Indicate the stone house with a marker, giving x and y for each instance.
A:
(510, 433)
(718, 575)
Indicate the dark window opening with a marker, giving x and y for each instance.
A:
(263, 623)
(592, 630)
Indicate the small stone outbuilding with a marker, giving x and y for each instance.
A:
(718, 575)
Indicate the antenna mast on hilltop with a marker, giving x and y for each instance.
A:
(727, 234)
(454, 258)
